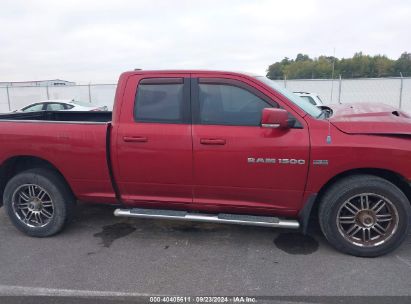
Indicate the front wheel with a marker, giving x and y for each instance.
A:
(38, 202)
(364, 215)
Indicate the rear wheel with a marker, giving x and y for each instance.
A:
(38, 202)
(364, 215)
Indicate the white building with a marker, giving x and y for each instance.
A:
(38, 83)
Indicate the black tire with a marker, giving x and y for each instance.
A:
(364, 188)
(59, 194)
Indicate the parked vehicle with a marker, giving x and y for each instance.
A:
(312, 98)
(217, 147)
(62, 105)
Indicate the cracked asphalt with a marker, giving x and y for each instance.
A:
(99, 252)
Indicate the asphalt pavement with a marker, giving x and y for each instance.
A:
(103, 255)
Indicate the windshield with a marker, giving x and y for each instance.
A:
(303, 104)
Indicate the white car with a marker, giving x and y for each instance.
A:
(311, 97)
(62, 105)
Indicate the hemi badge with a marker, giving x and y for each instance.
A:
(320, 162)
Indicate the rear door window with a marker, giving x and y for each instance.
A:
(55, 107)
(161, 100)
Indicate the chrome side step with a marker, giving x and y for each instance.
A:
(224, 218)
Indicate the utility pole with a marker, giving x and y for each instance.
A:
(339, 90)
(89, 92)
(8, 97)
(285, 81)
(332, 77)
(401, 89)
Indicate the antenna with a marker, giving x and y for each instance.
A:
(328, 139)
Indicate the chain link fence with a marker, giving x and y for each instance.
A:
(14, 98)
(392, 91)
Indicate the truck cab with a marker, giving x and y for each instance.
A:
(203, 156)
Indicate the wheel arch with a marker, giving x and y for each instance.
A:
(310, 210)
(17, 164)
(393, 177)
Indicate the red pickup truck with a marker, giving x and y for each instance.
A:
(218, 147)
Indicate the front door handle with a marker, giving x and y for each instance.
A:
(212, 141)
(140, 139)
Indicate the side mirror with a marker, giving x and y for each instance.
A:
(274, 118)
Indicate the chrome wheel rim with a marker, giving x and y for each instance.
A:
(367, 220)
(33, 205)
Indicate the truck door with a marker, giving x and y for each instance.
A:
(153, 152)
(237, 163)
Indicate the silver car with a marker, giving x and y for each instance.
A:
(62, 105)
(313, 98)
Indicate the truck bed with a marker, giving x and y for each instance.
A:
(63, 116)
(75, 143)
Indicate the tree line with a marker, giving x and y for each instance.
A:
(360, 65)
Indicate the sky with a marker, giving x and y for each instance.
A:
(94, 41)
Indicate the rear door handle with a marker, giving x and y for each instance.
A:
(212, 141)
(140, 139)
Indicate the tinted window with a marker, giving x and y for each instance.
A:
(229, 105)
(34, 108)
(303, 104)
(55, 107)
(68, 107)
(159, 103)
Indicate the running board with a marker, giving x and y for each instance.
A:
(223, 218)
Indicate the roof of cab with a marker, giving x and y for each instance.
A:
(239, 73)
